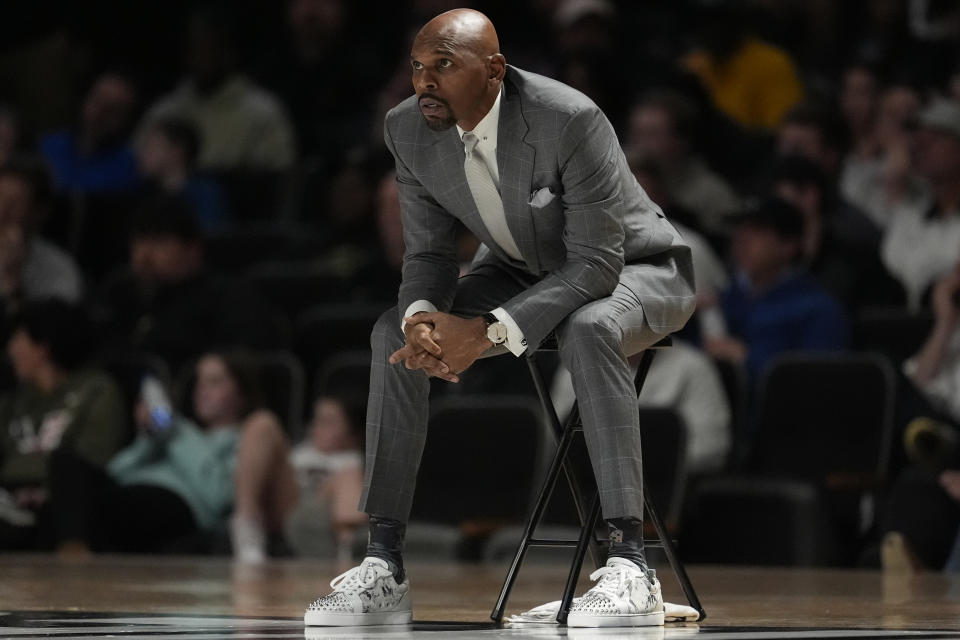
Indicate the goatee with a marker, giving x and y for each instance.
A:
(440, 125)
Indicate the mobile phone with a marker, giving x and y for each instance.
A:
(158, 404)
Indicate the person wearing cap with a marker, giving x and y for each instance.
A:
(840, 244)
(167, 302)
(773, 305)
(922, 242)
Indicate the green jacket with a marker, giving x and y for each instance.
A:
(196, 465)
(84, 415)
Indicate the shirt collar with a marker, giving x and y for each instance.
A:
(487, 127)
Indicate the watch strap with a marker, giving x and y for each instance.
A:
(489, 318)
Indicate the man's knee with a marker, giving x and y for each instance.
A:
(386, 332)
(591, 323)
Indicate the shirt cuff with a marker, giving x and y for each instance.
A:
(516, 343)
(416, 307)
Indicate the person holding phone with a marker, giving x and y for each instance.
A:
(183, 478)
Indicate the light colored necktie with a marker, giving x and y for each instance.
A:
(487, 196)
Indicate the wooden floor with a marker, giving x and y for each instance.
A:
(41, 596)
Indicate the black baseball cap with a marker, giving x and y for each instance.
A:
(772, 213)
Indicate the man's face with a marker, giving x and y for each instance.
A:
(449, 80)
(805, 197)
(156, 155)
(802, 140)
(651, 134)
(163, 259)
(760, 251)
(315, 19)
(16, 199)
(26, 356)
(898, 105)
(858, 96)
(937, 155)
(107, 107)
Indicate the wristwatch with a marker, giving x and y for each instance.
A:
(496, 330)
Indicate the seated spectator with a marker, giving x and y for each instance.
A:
(242, 126)
(167, 156)
(60, 410)
(935, 369)
(773, 305)
(835, 245)
(181, 479)
(663, 129)
(920, 522)
(96, 157)
(166, 302)
(750, 80)
(329, 466)
(379, 278)
(306, 73)
(884, 179)
(859, 101)
(923, 242)
(813, 131)
(921, 519)
(11, 137)
(31, 268)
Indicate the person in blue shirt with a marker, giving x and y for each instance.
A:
(773, 305)
(167, 156)
(95, 157)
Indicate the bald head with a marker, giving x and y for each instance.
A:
(466, 29)
(457, 68)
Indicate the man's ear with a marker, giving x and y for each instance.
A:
(497, 67)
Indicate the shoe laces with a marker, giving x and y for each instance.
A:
(359, 578)
(612, 580)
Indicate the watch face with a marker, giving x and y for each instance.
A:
(497, 333)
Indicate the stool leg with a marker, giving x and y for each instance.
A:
(671, 553)
(539, 507)
(643, 369)
(654, 515)
(586, 537)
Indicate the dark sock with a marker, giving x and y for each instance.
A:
(626, 540)
(385, 541)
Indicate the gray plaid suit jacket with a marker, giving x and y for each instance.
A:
(579, 217)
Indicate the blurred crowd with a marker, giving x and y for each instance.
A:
(187, 188)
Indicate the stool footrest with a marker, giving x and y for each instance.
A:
(537, 542)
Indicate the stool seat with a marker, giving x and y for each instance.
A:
(589, 519)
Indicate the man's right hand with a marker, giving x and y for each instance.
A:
(422, 352)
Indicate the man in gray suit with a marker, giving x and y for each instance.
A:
(572, 245)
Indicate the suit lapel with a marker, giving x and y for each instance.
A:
(515, 159)
(447, 155)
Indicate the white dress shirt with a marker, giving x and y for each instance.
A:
(486, 132)
(918, 248)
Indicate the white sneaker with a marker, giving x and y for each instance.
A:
(364, 595)
(249, 541)
(625, 596)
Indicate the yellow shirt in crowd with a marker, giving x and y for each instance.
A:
(755, 86)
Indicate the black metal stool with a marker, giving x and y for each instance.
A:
(588, 518)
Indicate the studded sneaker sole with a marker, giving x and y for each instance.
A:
(373, 618)
(652, 619)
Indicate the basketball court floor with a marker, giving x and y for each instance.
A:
(211, 598)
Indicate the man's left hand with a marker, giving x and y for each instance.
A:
(462, 340)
